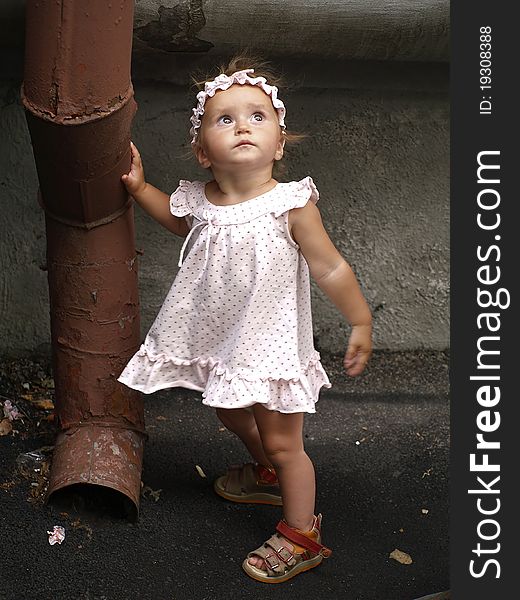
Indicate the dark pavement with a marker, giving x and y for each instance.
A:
(380, 445)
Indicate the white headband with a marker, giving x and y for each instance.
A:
(223, 82)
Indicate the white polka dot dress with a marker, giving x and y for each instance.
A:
(236, 323)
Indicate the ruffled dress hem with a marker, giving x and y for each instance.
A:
(284, 392)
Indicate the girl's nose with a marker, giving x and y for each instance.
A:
(242, 126)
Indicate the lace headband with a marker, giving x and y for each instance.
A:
(223, 82)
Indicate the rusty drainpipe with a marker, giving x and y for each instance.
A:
(79, 105)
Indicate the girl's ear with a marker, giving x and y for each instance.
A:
(279, 148)
(204, 161)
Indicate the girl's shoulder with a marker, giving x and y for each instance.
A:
(286, 196)
(186, 198)
(295, 194)
(190, 199)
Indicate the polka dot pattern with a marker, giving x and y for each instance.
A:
(236, 323)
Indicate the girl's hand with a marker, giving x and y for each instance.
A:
(134, 180)
(359, 350)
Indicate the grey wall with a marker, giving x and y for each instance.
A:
(348, 29)
(377, 148)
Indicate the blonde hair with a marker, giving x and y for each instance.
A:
(247, 60)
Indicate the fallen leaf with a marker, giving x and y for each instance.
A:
(424, 511)
(155, 494)
(43, 404)
(5, 427)
(200, 471)
(161, 418)
(78, 525)
(147, 491)
(47, 383)
(401, 557)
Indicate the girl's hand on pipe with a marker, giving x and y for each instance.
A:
(134, 180)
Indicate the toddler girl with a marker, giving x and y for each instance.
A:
(236, 323)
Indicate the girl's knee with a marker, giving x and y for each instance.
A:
(282, 453)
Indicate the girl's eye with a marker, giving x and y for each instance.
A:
(258, 117)
(225, 119)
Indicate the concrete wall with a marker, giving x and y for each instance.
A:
(348, 29)
(377, 148)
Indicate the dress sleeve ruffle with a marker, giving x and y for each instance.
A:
(179, 204)
(300, 192)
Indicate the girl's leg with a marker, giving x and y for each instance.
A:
(282, 440)
(241, 422)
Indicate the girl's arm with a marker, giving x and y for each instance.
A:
(336, 278)
(152, 200)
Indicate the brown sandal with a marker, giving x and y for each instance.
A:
(283, 564)
(249, 483)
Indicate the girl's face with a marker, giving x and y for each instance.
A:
(239, 129)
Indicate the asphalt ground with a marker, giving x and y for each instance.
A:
(380, 445)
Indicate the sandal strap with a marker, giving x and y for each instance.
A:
(295, 536)
(233, 482)
(240, 478)
(277, 558)
(267, 475)
(281, 551)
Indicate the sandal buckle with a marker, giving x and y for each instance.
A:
(285, 554)
(271, 561)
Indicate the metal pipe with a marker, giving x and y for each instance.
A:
(79, 105)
